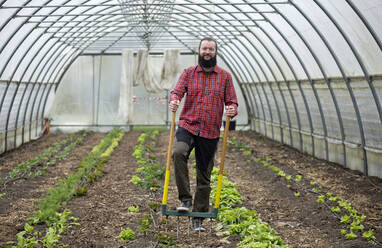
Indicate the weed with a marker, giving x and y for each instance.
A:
(81, 191)
(144, 224)
(165, 239)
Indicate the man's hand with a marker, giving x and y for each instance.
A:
(174, 104)
(230, 110)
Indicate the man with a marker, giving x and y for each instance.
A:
(208, 88)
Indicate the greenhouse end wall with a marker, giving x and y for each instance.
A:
(88, 96)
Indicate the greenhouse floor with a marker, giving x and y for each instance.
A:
(288, 205)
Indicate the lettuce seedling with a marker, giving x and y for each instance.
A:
(127, 234)
(133, 209)
(298, 178)
(321, 199)
(369, 235)
(345, 219)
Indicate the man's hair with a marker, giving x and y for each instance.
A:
(208, 39)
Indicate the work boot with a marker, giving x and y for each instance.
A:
(197, 225)
(185, 207)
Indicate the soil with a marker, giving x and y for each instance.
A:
(103, 212)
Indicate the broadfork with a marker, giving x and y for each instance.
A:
(214, 213)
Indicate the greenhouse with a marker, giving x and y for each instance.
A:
(284, 97)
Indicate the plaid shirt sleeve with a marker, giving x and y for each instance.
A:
(180, 88)
(230, 94)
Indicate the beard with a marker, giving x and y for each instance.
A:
(207, 63)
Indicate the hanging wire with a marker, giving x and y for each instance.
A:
(147, 18)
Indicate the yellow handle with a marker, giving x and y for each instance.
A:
(220, 178)
(168, 166)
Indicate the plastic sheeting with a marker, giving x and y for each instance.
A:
(155, 76)
(144, 69)
(125, 109)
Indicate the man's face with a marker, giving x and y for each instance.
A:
(207, 54)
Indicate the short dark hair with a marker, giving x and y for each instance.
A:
(208, 39)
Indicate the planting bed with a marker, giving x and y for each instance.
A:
(104, 211)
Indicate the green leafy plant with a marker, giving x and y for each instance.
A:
(336, 209)
(26, 238)
(135, 180)
(333, 199)
(165, 239)
(345, 219)
(127, 234)
(315, 190)
(265, 163)
(369, 235)
(256, 159)
(81, 191)
(298, 178)
(355, 226)
(133, 209)
(281, 174)
(154, 206)
(321, 199)
(59, 222)
(350, 235)
(144, 224)
(247, 153)
(229, 195)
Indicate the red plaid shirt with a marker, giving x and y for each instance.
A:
(207, 92)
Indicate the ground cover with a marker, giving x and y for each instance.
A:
(114, 205)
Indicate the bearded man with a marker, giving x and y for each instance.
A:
(208, 88)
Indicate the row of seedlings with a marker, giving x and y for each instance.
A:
(150, 173)
(241, 221)
(149, 176)
(352, 221)
(39, 164)
(89, 169)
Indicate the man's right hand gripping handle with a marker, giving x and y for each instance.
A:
(174, 104)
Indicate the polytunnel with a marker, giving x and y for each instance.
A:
(87, 106)
(308, 73)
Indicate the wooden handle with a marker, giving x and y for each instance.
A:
(220, 178)
(168, 165)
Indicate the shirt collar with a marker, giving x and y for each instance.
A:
(199, 69)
